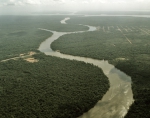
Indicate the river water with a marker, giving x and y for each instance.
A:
(117, 100)
(64, 20)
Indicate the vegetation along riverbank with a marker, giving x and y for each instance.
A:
(48, 87)
(124, 41)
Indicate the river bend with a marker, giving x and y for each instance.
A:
(117, 100)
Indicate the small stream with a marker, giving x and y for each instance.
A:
(117, 100)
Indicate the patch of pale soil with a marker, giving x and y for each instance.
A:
(121, 59)
(31, 60)
(32, 53)
(119, 29)
(15, 58)
(20, 56)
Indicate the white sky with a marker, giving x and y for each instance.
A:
(20, 6)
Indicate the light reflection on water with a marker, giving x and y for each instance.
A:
(117, 100)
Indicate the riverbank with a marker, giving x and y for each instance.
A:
(49, 88)
(120, 83)
(111, 45)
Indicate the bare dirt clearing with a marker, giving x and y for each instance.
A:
(31, 60)
(121, 59)
(26, 57)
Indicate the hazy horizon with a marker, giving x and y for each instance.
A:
(29, 6)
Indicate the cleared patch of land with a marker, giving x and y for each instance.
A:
(31, 60)
(26, 57)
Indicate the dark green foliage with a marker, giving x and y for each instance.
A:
(93, 44)
(14, 45)
(112, 45)
(139, 71)
(51, 88)
(111, 21)
(20, 34)
(100, 45)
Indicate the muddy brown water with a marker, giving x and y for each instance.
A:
(117, 100)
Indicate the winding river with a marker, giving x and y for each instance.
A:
(64, 20)
(117, 100)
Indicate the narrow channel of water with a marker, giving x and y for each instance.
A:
(117, 100)
(64, 20)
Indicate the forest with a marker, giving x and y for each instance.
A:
(114, 12)
(51, 87)
(124, 42)
(20, 34)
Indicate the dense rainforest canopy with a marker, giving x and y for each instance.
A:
(50, 87)
(20, 34)
(125, 42)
